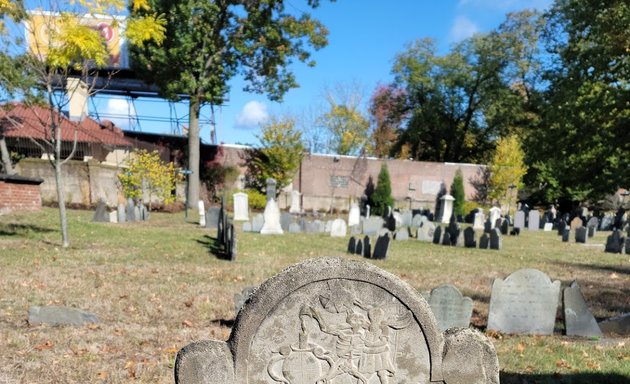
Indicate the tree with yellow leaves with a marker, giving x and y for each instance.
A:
(507, 170)
(68, 49)
(147, 176)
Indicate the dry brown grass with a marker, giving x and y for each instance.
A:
(155, 288)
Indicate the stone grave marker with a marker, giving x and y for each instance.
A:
(496, 242)
(437, 235)
(607, 222)
(524, 303)
(113, 217)
(247, 227)
(578, 319)
(406, 219)
(402, 234)
(446, 208)
(628, 245)
(285, 220)
(576, 223)
(295, 228)
(450, 307)
(328, 227)
(426, 231)
(591, 231)
(446, 238)
(272, 219)
(566, 235)
(390, 222)
(367, 247)
(479, 220)
(57, 315)
(131, 210)
(618, 325)
(416, 221)
(469, 238)
(338, 228)
(230, 245)
(494, 215)
(561, 226)
(137, 214)
(548, 227)
(484, 241)
(581, 235)
(614, 242)
(212, 217)
(296, 327)
(453, 230)
(241, 206)
(257, 223)
(354, 215)
(381, 247)
(519, 219)
(352, 245)
(202, 213)
(101, 215)
(371, 225)
(533, 220)
(296, 202)
(593, 222)
(358, 249)
(122, 217)
(505, 227)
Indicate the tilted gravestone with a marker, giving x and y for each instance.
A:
(329, 320)
(524, 303)
(450, 307)
(578, 319)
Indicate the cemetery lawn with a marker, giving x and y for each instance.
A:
(155, 286)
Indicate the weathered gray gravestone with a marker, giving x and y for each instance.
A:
(519, 219)
(131, 210)
(426, 231)
(56, 315)
(566, 235)
(372, 225)
(450, 307)
(578, 319)
(212, 217)
(271, 189)
(533, 223)
(446, 239)
(285, 220)
(295, 228)
(402, 234)
(296, 328)
(469, 238)
(257, 222)
(614, 242)
(581, 235)
(524, 303)
(484, 241)
(121, 213)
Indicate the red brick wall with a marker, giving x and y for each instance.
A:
(17, 196)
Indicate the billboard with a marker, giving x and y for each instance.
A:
(40, 25)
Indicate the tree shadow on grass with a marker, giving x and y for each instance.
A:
(598, 267)
(22, 229)
(213, 247)
(571, 378)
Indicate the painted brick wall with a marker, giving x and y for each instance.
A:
(19, 196)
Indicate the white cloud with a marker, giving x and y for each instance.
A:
(252, 115)
(118, 111)
(462, 28)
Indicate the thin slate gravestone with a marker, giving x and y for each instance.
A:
(367, 248)
(614, 242)
(381, 247)
(257, 222)
(578, 319)
(495, 239)
(212, 217)
(566, 235)
(505, 227)
(121, 213)
(519, 219)
(524, 303)
(446, 239)
(469, 238)
(561, 226)
(450, 307)
(358, 249)
(296, 328)
(437, 235)
(131, 210)
(484, 241)
(581, 235)
(352, 245)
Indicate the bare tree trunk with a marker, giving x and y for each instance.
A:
(61, 192)
(5, 158)
(193, 151)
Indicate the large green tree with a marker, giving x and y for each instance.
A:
(382, 198)
(209, 42)
(460, 102)
(581, 150)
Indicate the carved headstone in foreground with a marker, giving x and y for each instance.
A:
(299, 327)
(525, 302)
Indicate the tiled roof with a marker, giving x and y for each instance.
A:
(34, 121)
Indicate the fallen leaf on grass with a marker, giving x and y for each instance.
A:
(187, 323)
(102, 375)
(520, 348)
(131, 369)
(171, 350)
(562, 363)
(593, 365)
(47, 345)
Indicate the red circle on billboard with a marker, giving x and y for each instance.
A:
(107, 32)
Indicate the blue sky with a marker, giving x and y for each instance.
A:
(365, 36)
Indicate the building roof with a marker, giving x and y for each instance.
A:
(21, 121)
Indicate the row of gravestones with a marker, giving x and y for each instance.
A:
(615, 242)
(129, 213)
